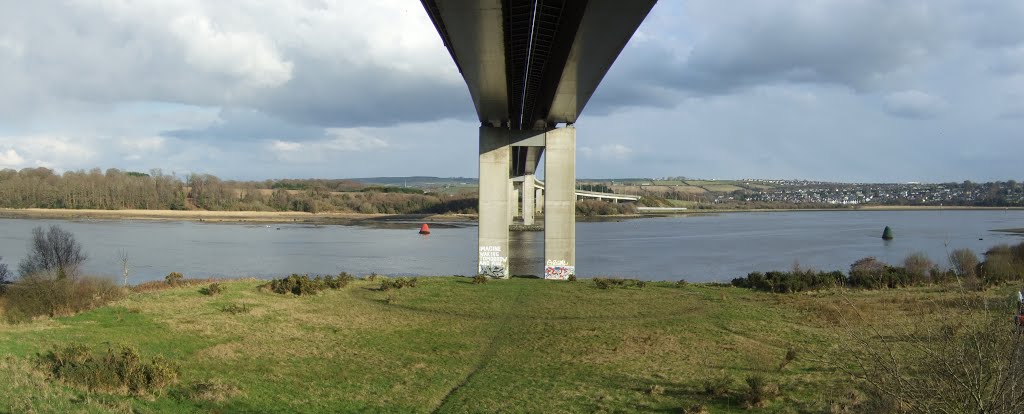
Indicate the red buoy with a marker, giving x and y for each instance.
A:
(424, 229)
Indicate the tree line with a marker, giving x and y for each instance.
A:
(115, 189)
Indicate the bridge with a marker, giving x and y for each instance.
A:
(526, 208)
(531, 66)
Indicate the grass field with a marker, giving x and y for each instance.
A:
(519, 345)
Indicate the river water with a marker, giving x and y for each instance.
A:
(697, 248)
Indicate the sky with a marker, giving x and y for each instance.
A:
(840, 90)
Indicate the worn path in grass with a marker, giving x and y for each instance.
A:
(519, 345)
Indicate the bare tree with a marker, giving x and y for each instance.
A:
(122, 257)
(54, 250)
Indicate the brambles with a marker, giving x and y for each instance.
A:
(120, 369)
(173, 278)
(213, 289)
(480, 279)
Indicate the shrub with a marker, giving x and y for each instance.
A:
(608, 283)
(682, 283)
(918, 266)
(173, 278)
(388, 284)
(5, 276)
(120, 369)
(718, 387)
(788, 358)
(572, 278)
(50, 295)
(790, 282)
(867, 272)
(53, 251)
(964, 263)
(296, 284)
(759, 391)
(479, 279)
(213, 289)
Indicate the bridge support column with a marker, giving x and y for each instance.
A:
(492, 239)
(513, 202)
(528, 203)
(540, 201)
(560, 203)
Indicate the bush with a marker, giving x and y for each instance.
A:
(718, 387)
(867, 273)
(964, 263)
(790, 282)
(572, 278)
(5, 276)
(919, 266)
(53, 251)
(50, 295)
(388, 284)
(213, 289)
(480, 279)
(120, 369)
(759, 391)
(173, 278)
(608, 283)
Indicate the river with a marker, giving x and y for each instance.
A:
(698, 248)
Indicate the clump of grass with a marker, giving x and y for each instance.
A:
(572, 278)
(614, 282)
(299, 285)
(212, 290)
(372, 276)
(656, 390)
(696, 408)
(682, 283)
(119, 369)
(212, 391)
(236, 308)
(480, 279)
(759, 391)
(400, 283)
(173, 278)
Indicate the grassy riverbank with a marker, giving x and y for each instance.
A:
(447, 345)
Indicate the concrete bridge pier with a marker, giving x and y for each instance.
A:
(494, 204)
(528, 202)
(560, 203)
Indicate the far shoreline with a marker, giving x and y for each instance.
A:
(348, 218)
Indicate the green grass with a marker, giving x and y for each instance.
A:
(520, 345)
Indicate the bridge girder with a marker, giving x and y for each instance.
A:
(532, 64)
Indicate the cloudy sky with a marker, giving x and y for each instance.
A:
(848, 90)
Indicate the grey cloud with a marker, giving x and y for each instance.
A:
(914, 104)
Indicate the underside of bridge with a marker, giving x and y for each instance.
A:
(531, 66)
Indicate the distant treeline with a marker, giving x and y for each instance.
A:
(116, 190)
(1002, 263)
